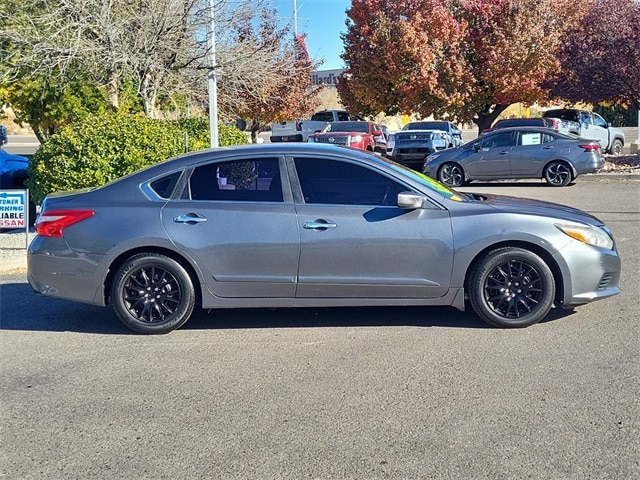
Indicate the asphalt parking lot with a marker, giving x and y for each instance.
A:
(354, 393)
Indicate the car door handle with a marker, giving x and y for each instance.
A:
(321, 225)
(190, 218)
(549, 147)
(504, 152)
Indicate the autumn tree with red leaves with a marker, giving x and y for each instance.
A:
(469, 59)
(600, 55)
(285, 90)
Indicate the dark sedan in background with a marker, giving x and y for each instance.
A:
(511, 153)
(308, 225)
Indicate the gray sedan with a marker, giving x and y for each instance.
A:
(301, 225)
(522, 152)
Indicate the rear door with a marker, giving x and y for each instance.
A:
(531, 153)
(239, 226)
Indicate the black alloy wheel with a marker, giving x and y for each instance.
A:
(451, 174)
(511, 287)
(558, 174)
(152, 293)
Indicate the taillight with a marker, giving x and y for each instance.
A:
(51, 223)
(590, 147)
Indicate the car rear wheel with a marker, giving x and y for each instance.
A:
(451, 174)
(558, 174)
(152, 293)
(616, 147)
(511, 287)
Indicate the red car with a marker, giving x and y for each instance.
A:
(360, 135)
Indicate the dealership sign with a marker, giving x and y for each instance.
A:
(326, 77)
(14, 210)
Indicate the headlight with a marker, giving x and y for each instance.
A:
(356, 138)
(311, 140)
(590, 235)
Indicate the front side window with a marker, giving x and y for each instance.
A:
(325, 181)
(497, 140)
(238, 180)
(599, 121)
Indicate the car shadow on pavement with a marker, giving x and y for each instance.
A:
(21, 309)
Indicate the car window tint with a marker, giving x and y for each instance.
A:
(599, 121)
(164, 186)
(323, 117)
(238, 181)
(341, 183)
(497, 140)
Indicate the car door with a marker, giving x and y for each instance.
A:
(531, 153)
(593, 128)
(491, 156)
(238, 224)
(356, 242)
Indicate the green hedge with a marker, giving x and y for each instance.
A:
(102, 148)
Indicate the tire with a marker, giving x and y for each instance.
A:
(152, 294)
(616, 147)
(558, 174)
(511, 287)
(451, 174)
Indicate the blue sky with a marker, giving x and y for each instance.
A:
(322, 21)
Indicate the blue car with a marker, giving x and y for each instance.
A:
(13, 174)
(13, 170)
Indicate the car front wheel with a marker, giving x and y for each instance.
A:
(451, 174)
(152, 293)
(511, 287)
(558, 174)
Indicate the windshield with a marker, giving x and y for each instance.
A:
(361, 127)
(426, 126)
(427, 182)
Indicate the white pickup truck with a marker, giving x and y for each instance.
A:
(299, 130)
(589, 125)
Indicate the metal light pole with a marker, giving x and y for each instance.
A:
(295, 18)
(213, 82)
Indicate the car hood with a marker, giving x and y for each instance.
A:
(333, 134)
(525, 206)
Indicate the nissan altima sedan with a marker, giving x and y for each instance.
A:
(518, 152)
(308, 225)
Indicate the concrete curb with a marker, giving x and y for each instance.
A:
(14, 265)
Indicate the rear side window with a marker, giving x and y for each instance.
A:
(237, 181)
(164, 186)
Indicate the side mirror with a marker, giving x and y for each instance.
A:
(476, 147)
(411, 201)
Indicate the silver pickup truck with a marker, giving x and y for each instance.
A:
(299, 130)
(590, 125)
